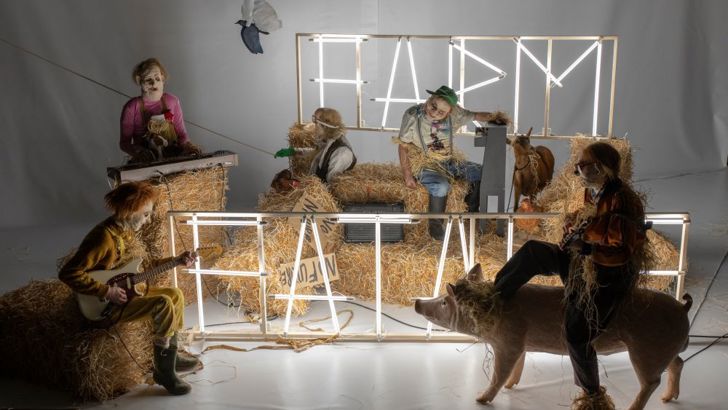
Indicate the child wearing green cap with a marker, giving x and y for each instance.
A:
(430, 126)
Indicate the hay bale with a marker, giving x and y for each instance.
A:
(196, 190)
(302, 136)
(47, 341)
(383, 183)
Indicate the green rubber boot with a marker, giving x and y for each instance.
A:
(185, 361)
(164, 373)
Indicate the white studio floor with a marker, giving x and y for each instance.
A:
(412, 375)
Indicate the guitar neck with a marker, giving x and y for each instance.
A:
(145, 276)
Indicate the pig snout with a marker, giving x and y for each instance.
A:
(418, 306)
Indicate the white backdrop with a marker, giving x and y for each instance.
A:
(59, 131)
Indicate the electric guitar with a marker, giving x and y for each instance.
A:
(573, 233)
(126, 277)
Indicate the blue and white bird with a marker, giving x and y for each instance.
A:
(258, 17)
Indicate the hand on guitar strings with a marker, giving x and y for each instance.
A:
(575, 245)
(187, 258)
(116, 295)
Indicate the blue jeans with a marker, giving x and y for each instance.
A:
(438, 184)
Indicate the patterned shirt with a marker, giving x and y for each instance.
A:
(435, 134)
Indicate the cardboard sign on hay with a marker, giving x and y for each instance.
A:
(308, 203)
(309, 271)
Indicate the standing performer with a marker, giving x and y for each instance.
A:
(152, 125)
(598, 259)
(427, 129)
(104, 248)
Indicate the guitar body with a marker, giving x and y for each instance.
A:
(95, 308)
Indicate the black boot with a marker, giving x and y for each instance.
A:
(164, 373)
(436, 206)
(472, 199)
(185, 361)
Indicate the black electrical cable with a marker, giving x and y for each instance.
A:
(393, 318)
(706, 347)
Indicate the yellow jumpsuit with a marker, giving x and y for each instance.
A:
(102, 249)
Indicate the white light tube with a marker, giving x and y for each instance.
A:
(449, 64)
(397, 100)
(518, 86)
(665, 221)
(440, 268)
(662, 273)
(335, 81)
(412, 67)
(480, 84)
(224, 272)
(223, 223)
(577, 61)
(321, 71)
(279, 296)
(596, 88)
(538, 63)
(325, 274)
(363, 220)
(391, 81)
(198, 278)
(480, 60)
(509, 246)
(335, 40)
(378, 279)
(294, 276)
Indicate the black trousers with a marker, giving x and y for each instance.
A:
(544, 258)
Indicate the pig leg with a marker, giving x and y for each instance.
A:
(673, 379)
(515, 376)
(648, 373)
(505, 360)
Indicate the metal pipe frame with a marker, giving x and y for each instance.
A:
(551, 80)
(266, 332)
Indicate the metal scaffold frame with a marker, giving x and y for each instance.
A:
(258, 220)
(458, 44)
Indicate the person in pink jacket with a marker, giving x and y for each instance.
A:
(152, 125)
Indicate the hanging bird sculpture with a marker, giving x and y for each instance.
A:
(258, 17)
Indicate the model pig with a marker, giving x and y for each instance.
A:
(651, 326)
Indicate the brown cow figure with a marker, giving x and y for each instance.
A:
(652, 326)
(533, 169)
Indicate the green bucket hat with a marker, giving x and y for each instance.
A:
(447, 94)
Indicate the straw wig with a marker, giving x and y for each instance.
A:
(332, 126)
(130, 197)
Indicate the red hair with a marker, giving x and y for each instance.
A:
(130, 197)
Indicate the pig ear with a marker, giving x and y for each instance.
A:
(476, 274)
(528, 134)
(450, 290)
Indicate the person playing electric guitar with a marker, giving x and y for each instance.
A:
(103, 248)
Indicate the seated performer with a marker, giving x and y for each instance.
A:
(152, 125)
(335, 154)
(103, 248)
(430, 127)
(598, 260)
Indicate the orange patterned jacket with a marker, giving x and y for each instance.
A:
(617, 230)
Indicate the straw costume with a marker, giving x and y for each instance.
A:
(598, 260)
(104, 248)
